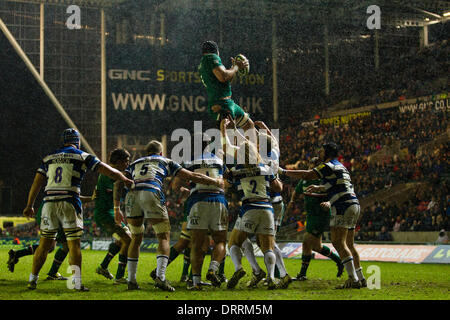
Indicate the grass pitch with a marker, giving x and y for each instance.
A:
(398, 282)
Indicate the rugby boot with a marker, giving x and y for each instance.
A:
(12, 260)
(120, 281)
(363, 283)
(133, 286)
(350, 284)
(153, 274)
(82, 289)
(197, 287)
(256, 279)
(235, 278)
(212, 276)
(32, 284)
(271, 284)
(222, 278)
(285, 281)
(104, 272)
(56, 276)
(164, 285)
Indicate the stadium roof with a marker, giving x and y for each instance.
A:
(393, 12)
(85, 3)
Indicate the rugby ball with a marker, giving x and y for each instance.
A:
(242, 72)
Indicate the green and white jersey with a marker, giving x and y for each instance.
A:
(214, 88)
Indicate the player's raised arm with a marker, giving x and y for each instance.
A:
(38, 182)
(262, 125)
(225, 75)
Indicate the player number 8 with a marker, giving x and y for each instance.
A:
(58, 175)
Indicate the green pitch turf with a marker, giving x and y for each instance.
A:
(398, 282)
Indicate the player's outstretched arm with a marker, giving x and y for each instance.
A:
(317, 191)
(86, 199)
(199, 178)
(38, 182)
(115, 174)
(299, 174)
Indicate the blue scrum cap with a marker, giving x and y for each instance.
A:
(71, 136)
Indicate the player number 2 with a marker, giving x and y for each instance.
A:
(58, 175)
(253, 183)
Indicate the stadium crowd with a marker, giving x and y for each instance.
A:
(419, 72)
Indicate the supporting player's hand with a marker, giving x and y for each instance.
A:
(28, 212)
(261, 125)
(225, 123)
(313, 189)
(184, 192)
(219, 183)
(325, 205)
(118, 216)
(129, 183)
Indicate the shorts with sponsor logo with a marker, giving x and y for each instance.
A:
(145, 203)
(209, 211)
(56, 214)
(256, 219)
(344, 215)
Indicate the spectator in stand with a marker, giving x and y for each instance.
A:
(384, 235)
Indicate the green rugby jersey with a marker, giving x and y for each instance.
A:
(312, 204)
(214, 88)
(103, 195)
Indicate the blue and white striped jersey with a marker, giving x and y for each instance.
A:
(338, 185)
(64, 170)
(209, 165)
(252, 182)
(149, 172)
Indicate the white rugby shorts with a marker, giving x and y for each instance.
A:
(257, 220)
(143, 203)
(55, 213)
(208, 215)
(348, 219)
